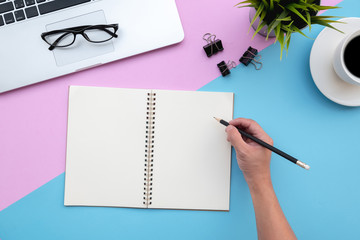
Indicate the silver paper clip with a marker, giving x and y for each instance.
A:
(213, 45)
(251, 56)
(226, 67)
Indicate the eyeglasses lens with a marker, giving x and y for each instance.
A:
(99, 35)
(60, 39)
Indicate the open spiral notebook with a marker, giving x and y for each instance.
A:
(147, 149)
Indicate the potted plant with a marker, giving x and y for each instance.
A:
(281, 18)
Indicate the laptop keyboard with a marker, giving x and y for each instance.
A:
(12, 11)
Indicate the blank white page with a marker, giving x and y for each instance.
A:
(192, 159)
(105, 147)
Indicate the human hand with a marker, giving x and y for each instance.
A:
(253, 159)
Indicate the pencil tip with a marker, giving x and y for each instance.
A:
(217, 119)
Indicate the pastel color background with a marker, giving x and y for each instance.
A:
(320, 204)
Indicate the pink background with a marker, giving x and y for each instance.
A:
(33, 119)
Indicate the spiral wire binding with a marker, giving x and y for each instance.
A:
(149, 149)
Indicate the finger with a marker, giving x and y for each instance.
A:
(251, 127)
(234, 137)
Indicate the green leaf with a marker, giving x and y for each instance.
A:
(295, 29)
(311, 6)
(286, 28)
(301, 6)
(276, 22)
(262, 16)
(260, 26)
(281, 41)
(270, 28)
(271, 7)
(277, 33)
(266, 4)
(284, 19)
(324, 23)
(321, 17)
(250, 5)
(244, 2)
(283, 8)
(258, 11)
(329, 21)
(287, 40)
(325, 19)
(291, 8)
(261, 21)
(309, 20)
(325, 7)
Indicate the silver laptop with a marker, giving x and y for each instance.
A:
(25, 58)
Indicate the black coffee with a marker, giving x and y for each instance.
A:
(352, 56)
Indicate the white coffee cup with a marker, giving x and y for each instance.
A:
(339, 62)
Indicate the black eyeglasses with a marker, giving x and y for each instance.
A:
(92, 33)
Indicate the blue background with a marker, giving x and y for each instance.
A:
(322, 203)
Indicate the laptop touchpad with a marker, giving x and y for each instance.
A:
(81, 49)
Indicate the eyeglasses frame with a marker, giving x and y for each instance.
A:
(80, 30)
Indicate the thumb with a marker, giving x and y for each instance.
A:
(234, 137)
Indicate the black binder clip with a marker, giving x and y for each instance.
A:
(250, 56)
(213, 45)
(225, 67)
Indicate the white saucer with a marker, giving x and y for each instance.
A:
(321, 66)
